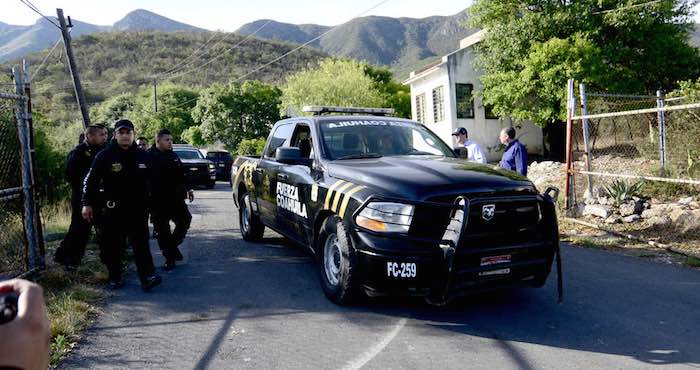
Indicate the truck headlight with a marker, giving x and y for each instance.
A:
(386, 217)
(211, 166)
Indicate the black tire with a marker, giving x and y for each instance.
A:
(211, 185)
(339, 273)
(252, 228)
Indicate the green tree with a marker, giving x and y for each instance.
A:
(252, 147)
(175, 104)
(120, 106)
(341, 83)
(395, 94)
(531, 48)
(234, 112)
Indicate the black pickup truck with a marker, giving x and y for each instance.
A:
(387, 209)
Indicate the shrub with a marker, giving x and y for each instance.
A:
(252, 147)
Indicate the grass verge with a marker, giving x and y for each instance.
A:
(72, 297)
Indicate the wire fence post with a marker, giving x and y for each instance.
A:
(661, 117)
(32, 147)
(586, 140)
(34, 260)
(570, 106)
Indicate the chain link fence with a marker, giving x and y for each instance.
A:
(20, 242)
(12, 240)
(634, 163)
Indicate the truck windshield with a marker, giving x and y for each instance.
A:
(354, 139)
(188, 154)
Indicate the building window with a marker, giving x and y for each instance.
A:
(465, 101)
(439, 104)
(420, 108)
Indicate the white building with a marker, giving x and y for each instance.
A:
(442, 98)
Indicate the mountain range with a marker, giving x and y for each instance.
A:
(18, 41)
(404, 44)
(401, 43)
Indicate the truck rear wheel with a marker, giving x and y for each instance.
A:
(337, 262)
(252, 228)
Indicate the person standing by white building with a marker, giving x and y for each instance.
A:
(474, 153)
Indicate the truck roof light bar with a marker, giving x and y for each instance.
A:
(320, 110)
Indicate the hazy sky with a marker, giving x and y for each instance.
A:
(228, 15)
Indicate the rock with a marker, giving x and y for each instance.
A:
(679, 215)
(604, 201)
(694, 205)
(627, 209)
(685, 201)
(597, 210)
(655, 211)
(662, 220)
(599, 191)
(631, 218)
(613, 220)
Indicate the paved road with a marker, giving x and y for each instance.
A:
(234, 304)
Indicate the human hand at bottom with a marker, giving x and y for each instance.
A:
(24, 341)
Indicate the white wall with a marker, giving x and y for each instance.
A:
(425, 86)
(459, 69)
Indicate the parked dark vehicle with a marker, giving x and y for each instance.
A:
(222, 161)
(387, 209)
(199, 171)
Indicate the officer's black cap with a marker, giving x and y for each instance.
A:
(460, 131)
(123, 123)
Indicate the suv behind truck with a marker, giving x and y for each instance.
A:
(387, 209)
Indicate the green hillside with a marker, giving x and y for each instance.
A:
(118, 62)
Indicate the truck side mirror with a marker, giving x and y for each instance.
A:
(289, 155)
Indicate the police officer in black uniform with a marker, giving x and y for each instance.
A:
(168, 201)
(72, 248)
(122, 170)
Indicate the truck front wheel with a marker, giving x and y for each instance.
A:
(337, 262)
(251, 228)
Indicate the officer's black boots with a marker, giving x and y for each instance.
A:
(169, 264)
(150, 282)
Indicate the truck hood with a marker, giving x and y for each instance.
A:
(421, 177)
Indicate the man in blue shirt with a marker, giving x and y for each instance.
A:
(515, 156)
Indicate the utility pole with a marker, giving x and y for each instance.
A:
(155, 93)
(73, 68)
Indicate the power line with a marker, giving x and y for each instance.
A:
(170, 70)
(307, 43)
(221, 54)
(629, 7)
(48, 55)
(33, 7)
(288, 53)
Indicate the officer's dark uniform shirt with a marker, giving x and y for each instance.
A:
(123, 174)
(78, 165)
(167, 176)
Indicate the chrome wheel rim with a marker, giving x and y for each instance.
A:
(331, 259)
(245, 214)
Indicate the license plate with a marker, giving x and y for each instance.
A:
(495, 260)
(495, 272)
(401, 269)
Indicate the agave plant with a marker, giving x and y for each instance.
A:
(620, 191)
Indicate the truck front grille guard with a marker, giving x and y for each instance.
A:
(451, 239)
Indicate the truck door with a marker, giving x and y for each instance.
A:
(267, 172)
(295, 189)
